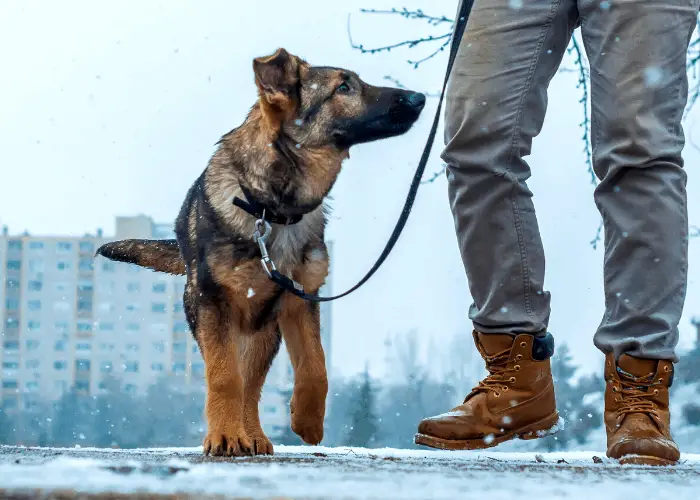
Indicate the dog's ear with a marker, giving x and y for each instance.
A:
(277, 78)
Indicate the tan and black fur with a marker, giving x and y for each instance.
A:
(287, 153)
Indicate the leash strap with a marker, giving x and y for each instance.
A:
(291, 286)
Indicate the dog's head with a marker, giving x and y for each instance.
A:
(325, 106)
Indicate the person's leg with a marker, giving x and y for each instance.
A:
(637, 51)
(495, 105)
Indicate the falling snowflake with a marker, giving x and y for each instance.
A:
(504, 310)
(515, 4)
(653, 76)
(251, 292)
(489, 439)
(298, 121)
(605, 5)
(507, 420)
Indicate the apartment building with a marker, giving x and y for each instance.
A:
(68, 320)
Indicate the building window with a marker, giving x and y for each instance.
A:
(106, 367)
(32, 386)
(158, 307)
(180, 327)
(195, 349)
(83, 347)
(132, 347)
(270, 409)
(178, 307)
(34, 325)
(34, 305)
(133, 307)
(108, 266)
(85, 286)
(14, 265)
(131, 366)
(84, 305)
(62, 265)
(85, 264)
(179, 346)
(106, 347)
(35, 286)
(133, 327)
(9, 384)
(60, 326)
(32, 364)
(12, 304)
(133, 287)
(84, 326)
(32, 344)
(82, 365)
(157, 367)
(36, 245)
(10, 365)
(106, 327)
(59, 365)
(63, 246)
(12, 323)
(59, 345)
(36, 266)
(198, 369)
(82, 385)
(159, 287)
(11, 283)
(178, 367)
(14, 245)
(86, 246)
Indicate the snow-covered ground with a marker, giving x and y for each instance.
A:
(318, 472)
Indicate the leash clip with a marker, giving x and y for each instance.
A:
(260, 236)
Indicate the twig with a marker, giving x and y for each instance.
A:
(412, 14)
(435, 176)
(585, 124)
(597, 239)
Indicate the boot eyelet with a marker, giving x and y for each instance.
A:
(661, 380)
(516, 368)
(512, 379)
(497, 394)
(519, 357)
(505, 388)
(523, 344)
(666, 368)
(656, 392)
(614, 389)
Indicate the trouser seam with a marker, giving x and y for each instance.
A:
(524, 261)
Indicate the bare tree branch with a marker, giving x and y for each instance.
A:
(598, 239)
(583, 77)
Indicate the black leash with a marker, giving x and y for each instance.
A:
(292, 286)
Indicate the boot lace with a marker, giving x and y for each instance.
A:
(636, 394)
(499, 373)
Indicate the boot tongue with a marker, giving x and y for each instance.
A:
(636, 367)
(494, 343)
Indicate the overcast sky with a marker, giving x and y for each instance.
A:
(113, 109)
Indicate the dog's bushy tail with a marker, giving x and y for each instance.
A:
(159, 255)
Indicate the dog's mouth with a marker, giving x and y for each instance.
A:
(382, 122)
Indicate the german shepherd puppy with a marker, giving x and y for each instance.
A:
(284, 158)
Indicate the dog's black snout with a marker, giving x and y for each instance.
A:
(416, 99)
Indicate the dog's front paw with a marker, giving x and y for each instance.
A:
(308, 409)
(261, 444)
(232, 444)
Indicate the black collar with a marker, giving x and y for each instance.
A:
(260, 211)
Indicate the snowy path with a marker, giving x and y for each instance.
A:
(317, 472)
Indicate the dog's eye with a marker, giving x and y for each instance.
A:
(343, 88)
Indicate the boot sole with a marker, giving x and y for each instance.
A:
(542, 428)
(646, 460)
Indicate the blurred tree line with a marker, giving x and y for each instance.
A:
(363, 411)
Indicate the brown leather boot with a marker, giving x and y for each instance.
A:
(516, 399)
(637, 417)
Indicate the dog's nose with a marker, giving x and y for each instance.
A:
(416, 99)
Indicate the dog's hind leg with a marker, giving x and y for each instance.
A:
(226, 433)
(300, 323)
(256, 353)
